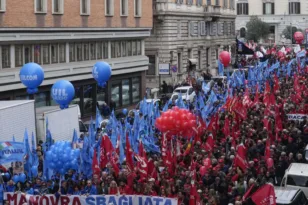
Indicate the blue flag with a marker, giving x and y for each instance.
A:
(98, 119)
(220, 68)
(11, 152)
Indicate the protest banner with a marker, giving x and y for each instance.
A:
(20, 199)
(11, 152)
(297, 117)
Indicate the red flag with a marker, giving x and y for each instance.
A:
(276, 83)
(264, 195)
(142, 166)
(226, 128)
(246, 100)
(240, 158)
(103, 157)
(267, 153)
(194, 198)
(95, 168)
(209, 145)
(278, 120)
(247, 194)
(129, 156)
(114, 166)
(141, 150)
(257, 96)
(240, 110)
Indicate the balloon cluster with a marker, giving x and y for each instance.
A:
(61, 157)
(177, 121)
(19, 178)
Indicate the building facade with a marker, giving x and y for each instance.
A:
(277, 13)
(67, 37)
(188, 29)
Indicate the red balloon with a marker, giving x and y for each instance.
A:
(176, 108)
(288, 50)
(299, 37)
(202, 170)
(269, 163)
(225, 58)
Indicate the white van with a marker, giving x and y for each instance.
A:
(296, 176)
(290, 196)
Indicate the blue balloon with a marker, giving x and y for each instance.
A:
(32, 76)
(124, 111)
(16, 179)
(7, 175)
(22, 178)
(63, 93)
(101, 72)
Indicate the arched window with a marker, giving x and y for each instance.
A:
(242, 32)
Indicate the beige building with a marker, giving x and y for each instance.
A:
(278, 13)
(188, 29)
(67, 37)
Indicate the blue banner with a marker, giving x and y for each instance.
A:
(11, 152)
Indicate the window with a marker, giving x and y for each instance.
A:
(129, 48)
(109, 7)
(295, 180)
(93, 51)
(124, 7)
(242, 32)
(115, 94)
(72, 52)
(152, 65)
(113, 50)
(209, 2)
(85, 7)
(62, 53)
(199, 2)
(88, 99)
(231, 4)
(268, 8)
(242, 9)
(123, 44)
(86, 51)
(134, 49)
(19, 61)
(294, 8)
(138, 48)
(189, 2)
(126, 99)
(2, 5)
(37, 54)
(225, 3)
(179, 1)
(57, 6)
(179, 62)
(5, 53)
(217, 3)
(136, 89)
(199, 59)
(79, 51)
(46, 56)
(100, 95)
(105, 50)
(28, 53)
(99, 53)
(40, 6)
(118, 49)
(138, 8)
(54, 53)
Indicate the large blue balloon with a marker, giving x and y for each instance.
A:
(63, 93)
(101, 72)
(22, 178)
(32, 76)
(16, 179)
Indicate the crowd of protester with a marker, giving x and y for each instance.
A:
(222, 183)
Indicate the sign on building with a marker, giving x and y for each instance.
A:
(164, 69)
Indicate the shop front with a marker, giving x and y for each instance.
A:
(121, 91)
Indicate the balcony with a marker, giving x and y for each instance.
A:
(212, 11)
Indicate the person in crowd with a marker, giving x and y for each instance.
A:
(90, 189)
(105, 110)
(164, 87)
